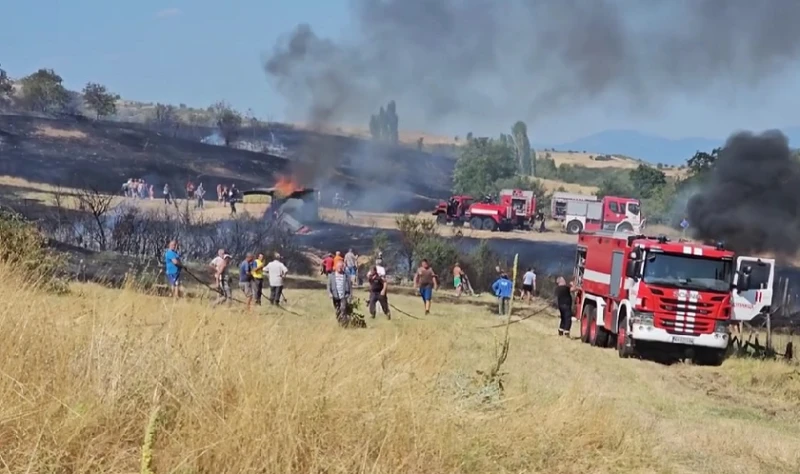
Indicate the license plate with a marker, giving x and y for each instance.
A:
(682, 340)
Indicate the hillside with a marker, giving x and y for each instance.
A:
(79, 153)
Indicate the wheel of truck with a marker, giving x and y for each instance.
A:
(489, 224)
(624, 348)
(709, 357)
(587, 319)
(458, 222)
(441, 219)
(476, 223)
(574, 227)
(598, 336)
(625, 227)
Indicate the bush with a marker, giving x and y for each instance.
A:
(25, 249)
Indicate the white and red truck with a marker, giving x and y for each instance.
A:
(558, 203)
(609, 213)
(652, 297)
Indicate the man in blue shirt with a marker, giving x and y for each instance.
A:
(172, 262)
(246, 280)
(502, 288)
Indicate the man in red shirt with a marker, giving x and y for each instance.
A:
(327, 264)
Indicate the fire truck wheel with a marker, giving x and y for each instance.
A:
(623, 342)
(712, 357)
(476, 223)
(587, 320)
(489, 224)
(441, 219)
(625, 227)
(574, 227)
(598, 336)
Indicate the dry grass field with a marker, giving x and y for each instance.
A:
(92, 380)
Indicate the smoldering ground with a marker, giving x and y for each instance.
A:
(485, 64)
(751, 199)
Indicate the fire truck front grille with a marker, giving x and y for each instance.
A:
(686, 325)
(676, 306)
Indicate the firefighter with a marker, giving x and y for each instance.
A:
(563, 294)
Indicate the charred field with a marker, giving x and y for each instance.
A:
(76, 152)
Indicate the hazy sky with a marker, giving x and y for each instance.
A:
(199, 51)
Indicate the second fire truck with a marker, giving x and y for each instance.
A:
(654, 297)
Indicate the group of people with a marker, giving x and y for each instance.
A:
(251, 272)
(341, 273)
(137, 188)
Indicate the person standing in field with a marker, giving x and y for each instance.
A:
(458, 283)
(246, 278)
(219, 266)
(167, 197)
(276, 271)
(172, 263)
(378, 287)
(528, 284)
(339, 290)
(351, 265)
(502, 289)
(426, 281)
(258, 278)
(563, 294)
(327, 264)
(337, 259)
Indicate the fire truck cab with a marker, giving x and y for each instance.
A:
(649, 296)
(610, 213)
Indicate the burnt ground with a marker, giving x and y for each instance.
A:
(75, 152)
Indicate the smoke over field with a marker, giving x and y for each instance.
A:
(752, 198)
(486, 64)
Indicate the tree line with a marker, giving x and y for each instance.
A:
(44, 92)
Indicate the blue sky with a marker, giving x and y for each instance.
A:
(199, 51)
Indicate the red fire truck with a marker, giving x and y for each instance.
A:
(609, 213)
(514, 209)
(652, 296)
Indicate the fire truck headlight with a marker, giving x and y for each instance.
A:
(643, 319)
(721, 327)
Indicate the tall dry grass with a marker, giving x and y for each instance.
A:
(115, 381)
(83, 374)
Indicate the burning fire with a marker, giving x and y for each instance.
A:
(286, 185)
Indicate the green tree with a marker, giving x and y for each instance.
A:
(522, 145)
(613, 185)
(703, 162)
(43, 91)
(481, 164)
(228, 121)
(646, 180)
(384, 125)
(100, 100)
(413, 232)
(165, 117)
(6, 87)
(392, 123)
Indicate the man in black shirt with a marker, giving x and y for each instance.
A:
(563, 294)
(377, 292)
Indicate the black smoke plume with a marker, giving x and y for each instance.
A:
(752, 198)
(478, 64)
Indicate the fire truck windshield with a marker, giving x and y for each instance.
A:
(633, 208)
(690, 272)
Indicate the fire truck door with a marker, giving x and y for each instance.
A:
(748, 303)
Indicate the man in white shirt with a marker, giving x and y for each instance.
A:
(379, 267)
(220, 267)
(276, 270)
(528, 285)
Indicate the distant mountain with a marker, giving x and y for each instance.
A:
(651, 148)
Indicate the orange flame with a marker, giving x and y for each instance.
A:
(286, 185)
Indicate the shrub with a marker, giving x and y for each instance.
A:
(26, 250)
